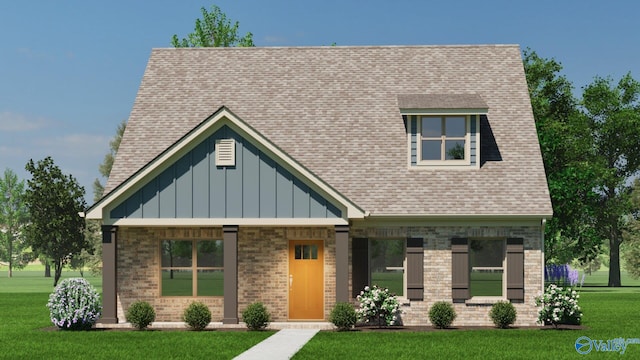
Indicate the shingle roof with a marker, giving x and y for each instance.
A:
(441, 101)
(335, 110)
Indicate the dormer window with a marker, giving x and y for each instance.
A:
(444, 138)
(443, 129)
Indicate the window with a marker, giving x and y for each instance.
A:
(306, 252)
(387, 264)
(444, 138)
(487, 265)
(192, 267)
(396, 264)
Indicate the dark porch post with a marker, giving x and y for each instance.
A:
(230, 311)
(109, 275)
(342, 263)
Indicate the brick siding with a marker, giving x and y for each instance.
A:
(263, 269)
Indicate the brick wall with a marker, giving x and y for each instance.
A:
(263, 269)
(263, 266)
(437, 270)
(138, 260)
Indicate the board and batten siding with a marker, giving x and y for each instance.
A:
(256, 187)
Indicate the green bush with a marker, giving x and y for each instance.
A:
(343, 316)
(442, 314)
(256, 316)
(503, 314)
(74, 305)
(197, 316)
(140, 314)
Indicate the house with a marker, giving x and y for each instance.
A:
(297, 176)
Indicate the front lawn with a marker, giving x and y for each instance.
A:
(27, 281)
(609, 313)
(24, 315)
(606, 317)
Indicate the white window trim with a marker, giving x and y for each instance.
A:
(467, 142)
(451, 164)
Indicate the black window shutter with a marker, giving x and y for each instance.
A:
(515, 269)
(460, 269)
(359, 265)
(415, 269)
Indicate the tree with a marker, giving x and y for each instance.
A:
(613, 113)
(214, 30)
(13, 217)
(107, 163)
(93, 259)
(631, 235)
(567, 152)
(55, 200)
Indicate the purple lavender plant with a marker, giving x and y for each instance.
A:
(562, 275)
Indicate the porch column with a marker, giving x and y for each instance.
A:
(109, 275)
(342, 263)
(230, 238)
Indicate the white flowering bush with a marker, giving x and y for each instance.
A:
(378, 307)
(559, 305)
(74, 305)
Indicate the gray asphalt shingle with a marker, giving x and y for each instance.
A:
(336, 111)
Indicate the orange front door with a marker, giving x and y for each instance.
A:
(306, 279)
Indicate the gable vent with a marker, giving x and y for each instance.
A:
(225, 152)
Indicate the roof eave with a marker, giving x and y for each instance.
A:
(95, 212)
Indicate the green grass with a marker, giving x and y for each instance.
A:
(210, 283)
(485, 283)
(606, 317)
(26, 281)
(389, 280)
(24, 315)
(601, 278)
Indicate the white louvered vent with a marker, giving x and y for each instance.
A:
(225, 152)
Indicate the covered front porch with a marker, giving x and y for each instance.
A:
(257, 266)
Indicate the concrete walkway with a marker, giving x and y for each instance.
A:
(279, 346)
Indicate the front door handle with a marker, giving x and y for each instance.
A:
(290, 281)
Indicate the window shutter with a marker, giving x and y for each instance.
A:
(515, 269)
(415, 269)
(225, 152)
(359, 265)
(460, 269)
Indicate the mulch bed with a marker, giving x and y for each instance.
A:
(55, 328)
(459, 328)
(357, 328)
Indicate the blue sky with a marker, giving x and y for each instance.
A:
(70, 70)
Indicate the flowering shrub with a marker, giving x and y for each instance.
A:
(562, 275)
(559, 305)
(378, 306)
(74, 305)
